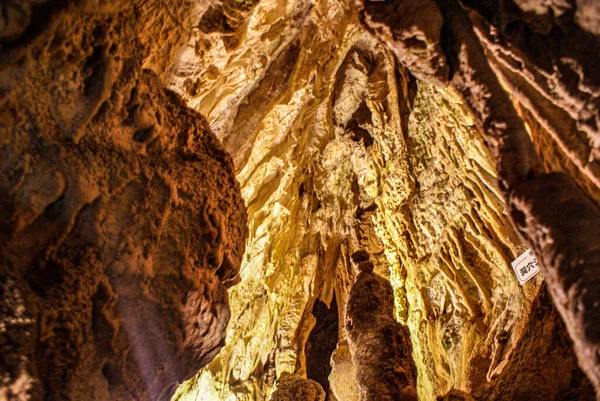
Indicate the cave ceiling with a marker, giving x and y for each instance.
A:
(440, 140)
(338, 147)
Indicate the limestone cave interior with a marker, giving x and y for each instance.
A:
(305, 200)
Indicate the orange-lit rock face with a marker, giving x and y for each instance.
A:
(350, 125)
(121, 222)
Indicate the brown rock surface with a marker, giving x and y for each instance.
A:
(380, 347)
(412, 30)
(543, 366)
(565, 233)
(550, 70)
(121, 221)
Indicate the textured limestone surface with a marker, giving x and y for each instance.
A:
(412, 30)
(296, 388)
(557, 89)
(406, 130)
(338, 148)
(547, 59)
(541, 206)
(121, 222)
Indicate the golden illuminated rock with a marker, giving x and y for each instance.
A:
(432, 141)
(338, 148)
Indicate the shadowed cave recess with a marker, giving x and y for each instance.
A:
(305, 200)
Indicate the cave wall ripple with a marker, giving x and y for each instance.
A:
(338, 148)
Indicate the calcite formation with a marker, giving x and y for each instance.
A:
(121, 222)
(434, 141)
(339, 148)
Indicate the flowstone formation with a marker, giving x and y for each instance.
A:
(121, 222)
(348, 133)
(380, 162)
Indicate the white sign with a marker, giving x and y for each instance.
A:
(526, 266)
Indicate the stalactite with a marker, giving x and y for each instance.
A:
(438, 138)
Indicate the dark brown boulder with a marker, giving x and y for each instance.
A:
(121, 222)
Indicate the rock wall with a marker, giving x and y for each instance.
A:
(401, 128)
(550, 212)
(339, 148)
(121, 222)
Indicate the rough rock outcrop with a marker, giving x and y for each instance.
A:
(121, 222)
(296, 388)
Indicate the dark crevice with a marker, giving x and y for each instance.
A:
(361, 118)
(143, 134)
(46, 276)
(322, 342)
(94, 69)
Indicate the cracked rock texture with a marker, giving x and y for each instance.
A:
(121, 222)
